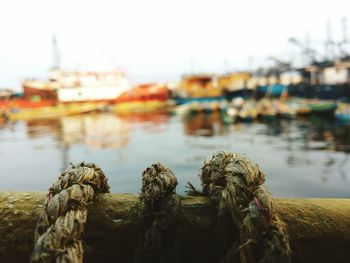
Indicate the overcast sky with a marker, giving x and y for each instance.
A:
(158, 39)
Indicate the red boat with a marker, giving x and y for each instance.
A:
(144, 97)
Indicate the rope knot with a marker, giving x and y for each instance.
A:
(235, 184)
(159, 211)
(158, 182)
(61, 224)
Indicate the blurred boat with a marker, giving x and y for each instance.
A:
(283, 109)
(229, 116)
(247, 112)
(65, 93)
(313, 106)
(198, 88)
(142, 98)
(73, 86)
(45, 112)
(195, 107)
(270, 91)
(235, 85)
(239, 93)
(266, 109)
(322, 107)
(204, 100)
(342, 113)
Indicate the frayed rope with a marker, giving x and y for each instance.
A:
(235, 185)
(62, 222)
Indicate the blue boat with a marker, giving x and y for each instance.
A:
(343, 117)
(273, 90)
(322, 91)
(342, 113)
(243, 93)
(181, 100)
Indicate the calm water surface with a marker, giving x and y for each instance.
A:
(301, 158)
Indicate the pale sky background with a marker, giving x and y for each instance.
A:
(158, 39)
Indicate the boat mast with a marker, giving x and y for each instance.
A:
(329, 44)
(345, 41)
(56, 53)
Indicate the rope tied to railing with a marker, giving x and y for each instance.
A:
(159, 208)
(61, 224)
(231, 181)
(235, 185)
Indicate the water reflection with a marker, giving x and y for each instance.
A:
(154, 118)
(342, 166)
(301, 139)
(95, 130)
(152, 122)
(203, 124)
(101, 131)
(301, 157)
(313, 133)
(40, 128)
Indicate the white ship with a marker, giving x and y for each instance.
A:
(73, 86)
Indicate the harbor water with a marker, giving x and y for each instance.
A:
(303, 157)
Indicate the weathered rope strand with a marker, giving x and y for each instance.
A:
(236, 186)
(159, 208)
(61, 224)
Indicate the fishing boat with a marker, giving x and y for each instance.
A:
(141, 98)
(229, 116)
(198, 88)
(195, 107)
(242, 110)
(74, 86)
(235, 85)
(22, 109)
(66, 93)
(266, 109)
(342, 113)
(283, 109)
(248, 114)
(312, 106)
(45, 112)
(322, 107)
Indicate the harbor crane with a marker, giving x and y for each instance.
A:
(280, 64)
(309, 54)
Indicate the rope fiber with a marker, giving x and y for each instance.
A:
(159, 208)
(235, 185)
(246, 213)
(61, 225)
